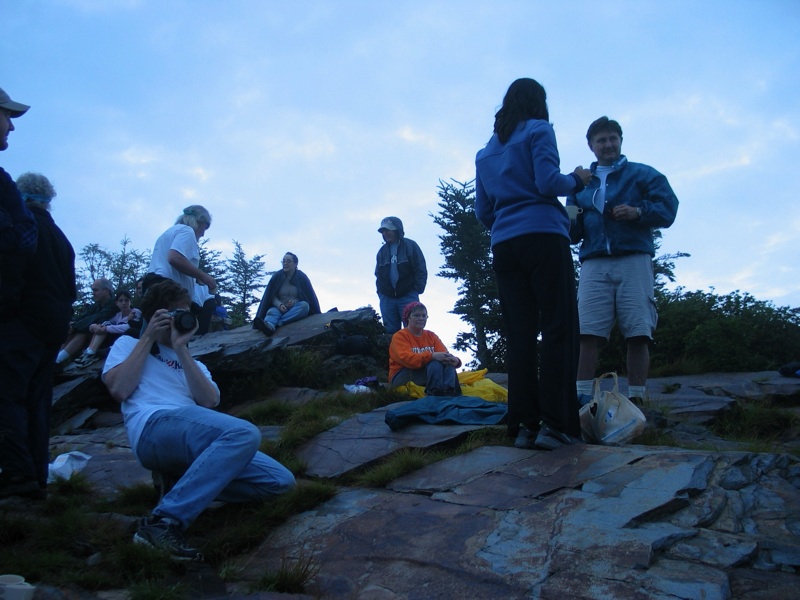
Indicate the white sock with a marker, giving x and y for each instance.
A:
(89, 352)
(62, 356)
(636, 391)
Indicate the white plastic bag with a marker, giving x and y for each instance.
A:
(610, 418)
(66, 464)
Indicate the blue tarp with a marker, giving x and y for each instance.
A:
(436, 410)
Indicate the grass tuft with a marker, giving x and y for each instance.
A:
(291, 578)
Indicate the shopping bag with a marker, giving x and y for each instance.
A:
(610, 418)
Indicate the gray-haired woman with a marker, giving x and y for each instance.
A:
(176, 256)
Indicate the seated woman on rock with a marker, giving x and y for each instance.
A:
(289, 297)
(127, 321)
(419, 356)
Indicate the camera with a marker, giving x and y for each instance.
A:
(183, 319)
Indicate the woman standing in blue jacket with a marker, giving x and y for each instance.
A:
(517, 182)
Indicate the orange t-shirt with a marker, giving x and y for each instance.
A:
(412, 352)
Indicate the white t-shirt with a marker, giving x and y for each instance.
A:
(163, 385)
(182, 239)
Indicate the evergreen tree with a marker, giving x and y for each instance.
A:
(244, 278)
(122, 268)
(466, 247)
(211, 262)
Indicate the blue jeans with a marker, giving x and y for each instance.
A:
(437, 378)
(277, 318)
(392, 310)
(215, 456)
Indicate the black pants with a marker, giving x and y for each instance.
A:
(537, 297)
(26, 397)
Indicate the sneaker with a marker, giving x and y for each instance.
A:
(84, 360)
(265, 327)
(525, 438)
(550, 439)
(165, 536)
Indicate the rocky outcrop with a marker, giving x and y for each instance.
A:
(630, 522)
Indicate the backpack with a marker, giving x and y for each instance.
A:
(347, 343)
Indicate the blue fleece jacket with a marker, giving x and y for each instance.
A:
(517, 184)
(630, 183)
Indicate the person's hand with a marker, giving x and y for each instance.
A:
(283, 308)
(623, 212)
(160, 323)
(181, 338)
(584, 174)
(290, 303)
(209, 282)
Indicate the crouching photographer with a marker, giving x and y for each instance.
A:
(167, 400)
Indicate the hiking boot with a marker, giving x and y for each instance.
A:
(525, 438)
(165, 536)
(265, 327)
(550, 439)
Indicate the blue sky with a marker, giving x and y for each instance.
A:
(301, 124)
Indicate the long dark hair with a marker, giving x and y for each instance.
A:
(524, 100)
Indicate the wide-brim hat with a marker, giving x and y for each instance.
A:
(14, 109)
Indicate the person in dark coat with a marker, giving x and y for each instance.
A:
(38, 291)
(289, 297)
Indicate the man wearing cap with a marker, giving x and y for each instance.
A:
(37, 289)
(400, 273)
(17, 225)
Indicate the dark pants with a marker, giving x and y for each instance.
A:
(537, 296)
(26, 396)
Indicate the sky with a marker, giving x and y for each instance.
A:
(301, 124)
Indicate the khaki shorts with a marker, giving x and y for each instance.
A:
(617, 289)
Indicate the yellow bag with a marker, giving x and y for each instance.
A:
(610, 418)
(473, 383)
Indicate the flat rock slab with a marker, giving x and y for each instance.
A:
(366, 438)
(580, 522)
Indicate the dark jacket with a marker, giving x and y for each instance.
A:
(410, 267)
(96, 313)
(39, 289)
(304, 289)
(17, 224)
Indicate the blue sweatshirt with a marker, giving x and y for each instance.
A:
(517, 184)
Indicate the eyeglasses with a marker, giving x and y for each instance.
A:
(419, 317)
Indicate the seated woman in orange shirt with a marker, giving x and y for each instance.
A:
(419, 356)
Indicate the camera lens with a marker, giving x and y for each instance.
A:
(183, 320)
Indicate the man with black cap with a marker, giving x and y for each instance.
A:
(400, 273)
(37, 289)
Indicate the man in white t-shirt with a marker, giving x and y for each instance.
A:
(167, 401)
